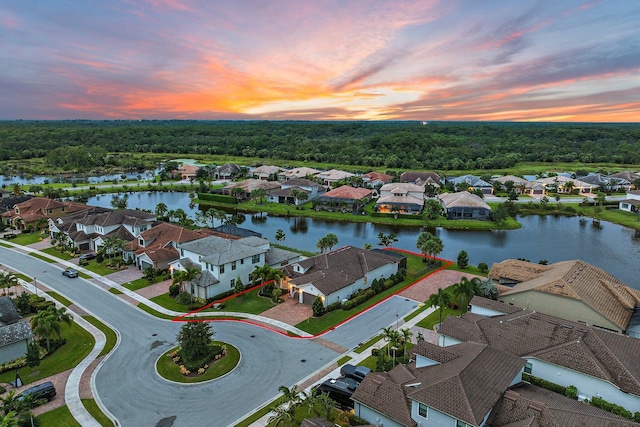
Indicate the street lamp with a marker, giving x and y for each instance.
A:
(397, 319)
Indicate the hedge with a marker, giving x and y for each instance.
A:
(544, 383)
(219, 198)
(611, 407)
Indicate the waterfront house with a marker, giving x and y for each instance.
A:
(631, 203)
(331, 177)
(598, 362)
(453, 386)
(29, 213)
(266, 172)
(249, 185)
(335, 275)
(464, 205)
(572, 290)
(520, 185)
(286, 193)
(226, 171)
(344, 197)
(303, 172)
(565, 185)
(471, 183)
(187, 171)
(400, 197)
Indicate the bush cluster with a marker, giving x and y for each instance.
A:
(612, 407)
(544, 383)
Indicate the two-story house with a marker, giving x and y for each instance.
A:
(38, 209)
(400, 197)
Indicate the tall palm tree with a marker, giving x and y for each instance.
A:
(465, 289)
(161, 210)
(441, 299)
(406, 335)
(46, 323)
(290, 396)
(282, 415)
(423, 243)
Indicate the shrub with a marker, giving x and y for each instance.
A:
(332, 307)
(571, 392)
(174, 290)
(355, 420)
(611, 407)
(483, 267)
(318, 307)
(184, 298)
(544, 383)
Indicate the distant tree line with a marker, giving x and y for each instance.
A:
(406, 145)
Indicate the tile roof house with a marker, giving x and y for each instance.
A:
(156, 247)
(573, 290)
(526, 405)
(452, 386)
(302, 172)
(284, 194)
(332, 176)
(473, 182)
(265, 171)
(628, 175)
(631, 203)
(14, 333)
(226, 171)
(28, 213)
(345, 194)
(560, 183)
(596, 361)
(187, 171)
(374, 179)
(606, 182)
(249, 185)
(335, 275)
(520, 185)
(400, 197)
(464, 205)
(421, 178)
(87, 230)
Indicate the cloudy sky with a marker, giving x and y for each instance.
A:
(516, 60)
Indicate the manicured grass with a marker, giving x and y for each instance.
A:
(367, 344)
(62, 300)
(42, 257)
(79, 344)
(56, 253)
(343, 360)
(100, 269)
(26, 238)
(110, 334)
(434, 318)
(153, 312)
(468, 269)
(414, 313)
(137, 284)
(60, 416)
(627, 219)
(95, 411)
(115, 291)
(24, 277)
(169, 303)
(169, 370)
(4, 245)
(250, 302)
(370, 362)
(257, 415)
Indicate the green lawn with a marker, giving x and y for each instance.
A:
(109, 333)
(367, 344)
(100, 269)
(115, 291)
(56, 253)
(169, 303)
(62, 300)
(94, 410)
(250, 302)
(153, 312)
(434, 318)
(42, 257)
(79, 344)
(26, 238)
(59, 417)
(257, 415)
(169, 370)
(468, 269)
(137, 284)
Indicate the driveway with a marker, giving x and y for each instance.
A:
(422, 290)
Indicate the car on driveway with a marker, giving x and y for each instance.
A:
(355, 372)
(70, 273)
(87, 257)
(45, 390)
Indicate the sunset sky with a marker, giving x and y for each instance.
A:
(514, 60)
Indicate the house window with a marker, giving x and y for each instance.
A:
(462, 424)
(181, 252)
(528, 368)
(255, 259)
(222, 269)
(242, 261)
(141, 242)
(233, 283)
(423, 410)
(233, 265)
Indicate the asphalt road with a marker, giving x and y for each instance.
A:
(130, 388)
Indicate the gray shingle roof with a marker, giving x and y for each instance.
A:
(15, 332)
(217, 251)
(8, 312)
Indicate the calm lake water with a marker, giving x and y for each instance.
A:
(8, 181)
(611, 247)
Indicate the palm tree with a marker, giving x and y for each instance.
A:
(161, 210)
(331, 240)
(178, 277)
(46, 323)
(282, 415)
(387, 334)
(440, 300)
(465, 289)
(290, 396)
(406, 335)
(8, 280)
(9, 419)
(425, 244)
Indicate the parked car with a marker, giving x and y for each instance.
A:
(87, 257)
(45, 390)
(355, 372)
(340, 390)
(70, 273)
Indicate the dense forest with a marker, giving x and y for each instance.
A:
(409, 145)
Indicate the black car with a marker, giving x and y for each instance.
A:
(70, 273)
(45, 390)
(355, 372)
(340, 390)
(87, 257)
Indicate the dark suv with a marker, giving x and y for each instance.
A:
(355, 372)
(87, 257)
(45, 390)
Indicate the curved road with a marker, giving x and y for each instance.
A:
(129, 387)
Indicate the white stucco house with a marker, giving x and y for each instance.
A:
(631, 203)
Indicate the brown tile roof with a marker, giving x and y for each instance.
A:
(606, 355)
(529, 405)
(494, 305)
(162, 254)
(463, 199)
(341, 267)
(248, 185)
(163, 234)
(419, 177)
(579, 280)
(36, 208)
(348, 192)
(465, 386)
(516, 270)
(378, 176)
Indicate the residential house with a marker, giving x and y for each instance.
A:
(565, 185)
(464, 205)
(606, 183)
(249, 185)
(335, 275)
(294, 173)
(631, 203)
(471, 183)
(421, 178)
(187, 171)
(344, 196)
(520, 185)
(235, 232)
(627, 175)
(286, 193)
(15, 334)
(8, 201)
(38, 210)
(452, 386)
(597, 362)
(331, 177)
(88, 230)
(156, 247)
(5, 194)
(266, 172)
(572, 290)
(227, 171)
(376, 179)
(400, 197)
(222, 262)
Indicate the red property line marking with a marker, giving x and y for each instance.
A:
(182, 317)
